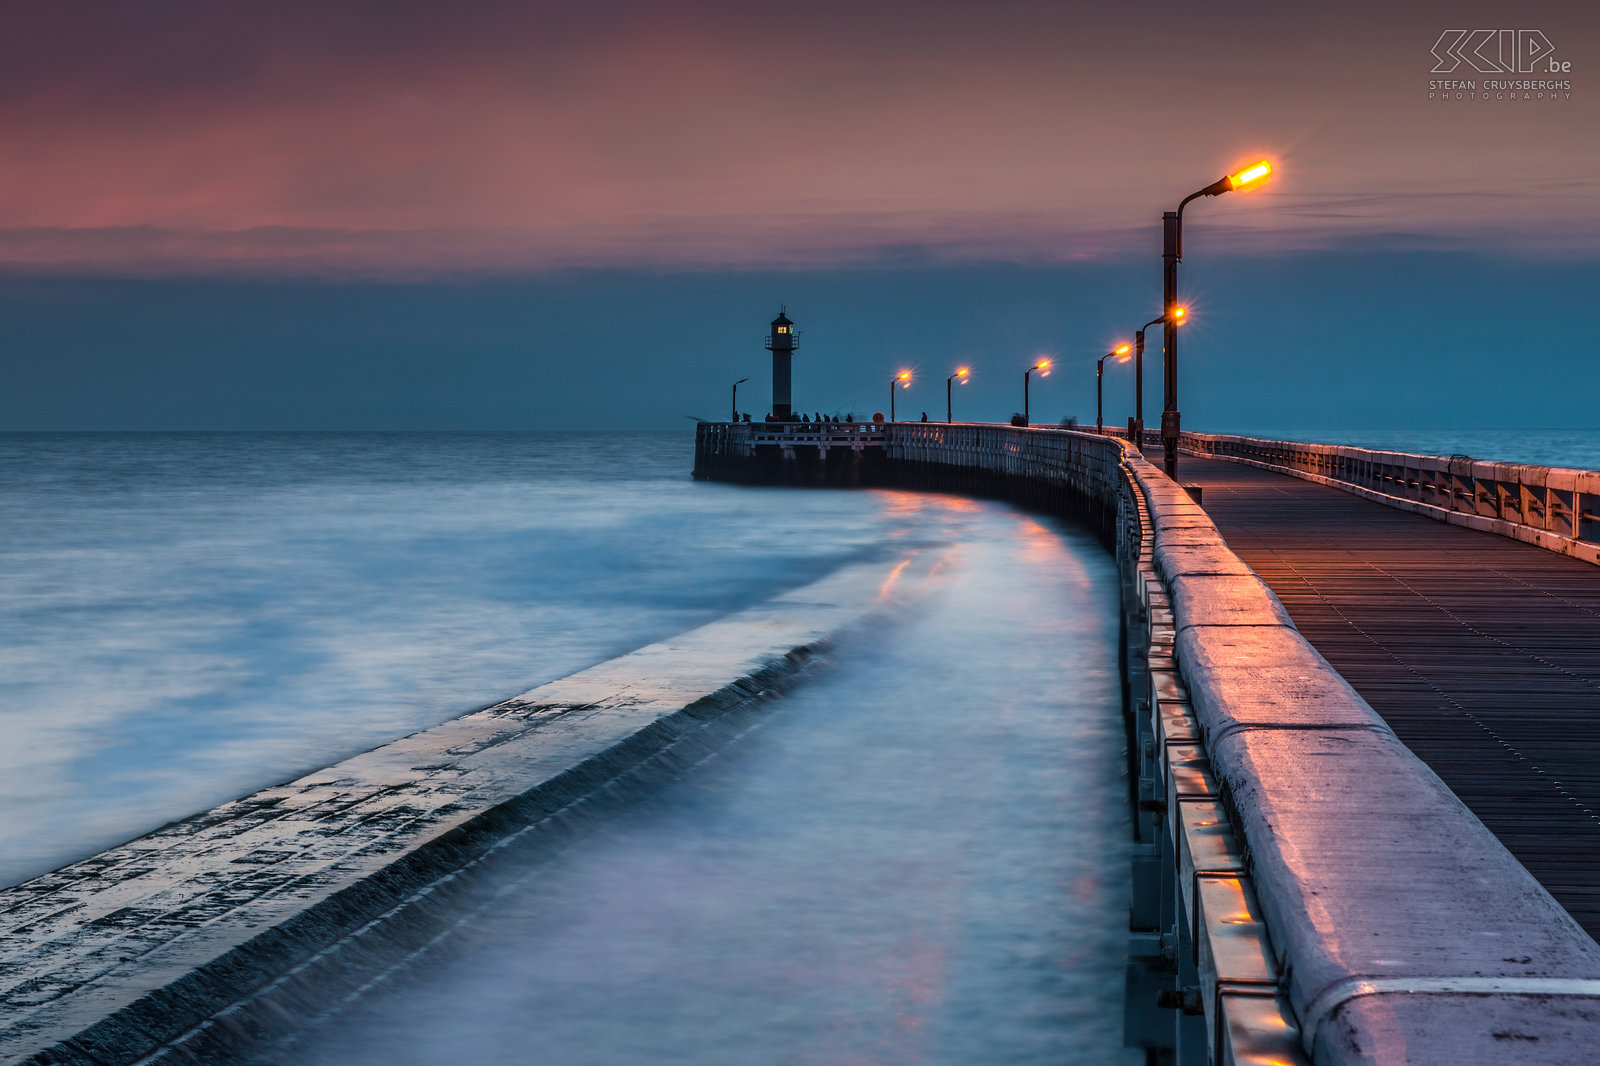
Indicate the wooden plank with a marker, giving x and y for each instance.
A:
(1482, 653)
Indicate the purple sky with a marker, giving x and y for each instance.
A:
(410, 140)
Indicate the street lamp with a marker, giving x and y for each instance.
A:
(903, 380)
(961, 376)
(1177, 314)
(1250, 177)
(736, 385)
(1099, 373)
(1043, 366)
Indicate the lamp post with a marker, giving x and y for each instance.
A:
(903, 380)
(1171, 252)
(961, 376)
(1138, 369)
(736, 385)
(1043, 366)
(1099, 393)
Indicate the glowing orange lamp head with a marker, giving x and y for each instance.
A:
(905, 378)
(1251, 177)
(1178, 315)
(1043, 364)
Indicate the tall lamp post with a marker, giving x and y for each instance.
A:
(961, 376)
(901, 380)
(1138, 370)
(1043, 366)
(1171, 252)
(1099, 393)
(736, 385)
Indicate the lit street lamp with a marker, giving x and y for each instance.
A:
(1171, 251)
(961, 376)
(1043, 366)
(1099, 374)
(902, 379)
(736, 385)
(1177, 314)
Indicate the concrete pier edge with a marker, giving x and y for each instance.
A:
(403, 907)
(219, 990)
(1393, 926)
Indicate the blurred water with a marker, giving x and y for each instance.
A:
(918, 858)
(1542, 447)
(187, 618)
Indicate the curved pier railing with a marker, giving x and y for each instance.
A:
(1552, 507)
(1305, 889)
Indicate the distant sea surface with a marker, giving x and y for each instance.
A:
(1578, 448)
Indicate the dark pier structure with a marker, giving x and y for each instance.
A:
(930, 456)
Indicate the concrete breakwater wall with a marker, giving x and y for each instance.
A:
(1552, 507)
(1305, 889)
(1072, 474)
(216, 935)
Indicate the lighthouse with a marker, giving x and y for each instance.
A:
(781, 345)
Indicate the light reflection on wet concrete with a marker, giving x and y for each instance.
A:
(919, 858)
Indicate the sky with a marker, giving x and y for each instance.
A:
(408, 215)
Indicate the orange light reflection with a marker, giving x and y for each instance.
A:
(894, 575)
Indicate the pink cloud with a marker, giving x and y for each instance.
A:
(377, 139)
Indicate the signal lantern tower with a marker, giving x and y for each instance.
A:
(781, 344)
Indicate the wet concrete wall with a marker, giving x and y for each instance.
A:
(1067, 474)
(213, 936)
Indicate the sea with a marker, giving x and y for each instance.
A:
(919, 857)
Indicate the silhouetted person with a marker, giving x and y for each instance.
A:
(924, 416)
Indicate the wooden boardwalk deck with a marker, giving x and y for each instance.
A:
(1483, 654)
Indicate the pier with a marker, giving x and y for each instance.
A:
(1362, 842)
